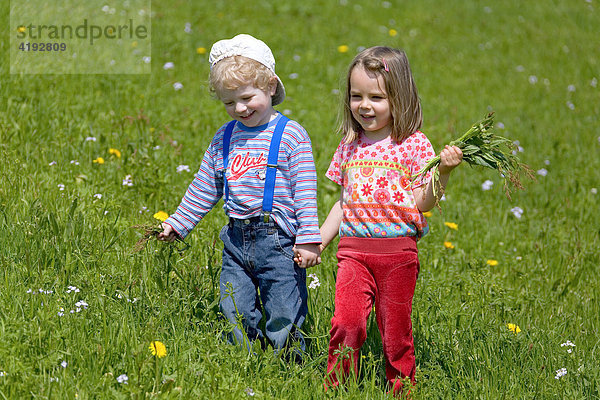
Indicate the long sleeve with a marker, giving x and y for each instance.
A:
(303, 177)
(201, 196)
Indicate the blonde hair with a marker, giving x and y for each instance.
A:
(236, 71)
(405, 106)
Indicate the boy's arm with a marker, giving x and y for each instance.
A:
(303, 181)
(201, 196)
(329, 230)
(450, 158)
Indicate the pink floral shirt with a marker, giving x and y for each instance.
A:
(378, 200)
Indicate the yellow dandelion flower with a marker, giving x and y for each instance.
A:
(448, 245)
(492, 263)
(393, 32)
(98, 160)
(21, 29)
(451, 225)
(427, 214)
(201, 50)
(134, 43)
(115, 152)
(161, 216)
(152, 130)
(343, 48)
(158, 349)
(513, 328)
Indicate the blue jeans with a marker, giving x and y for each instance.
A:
(258, 267)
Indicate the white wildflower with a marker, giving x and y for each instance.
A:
(315, 281)
(560, 373)
(52, 163)
(593, 191)
(72, 289)
(571, 88)
(74, 162)
(517, 211)
(188, 28)
(487, 185)
(90, 139)
(293, 75)
(570, 105)
(61, 186)
(81, 304)
(594, 82)
(98, 196)
(64, 364)
(533, 79)
(568, 344)
(182, 168)
(177, 86)
(147, 59)
(127, 181)
(168, 65)
(123, 379)
(542, 172)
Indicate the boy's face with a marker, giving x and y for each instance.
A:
(248, 104)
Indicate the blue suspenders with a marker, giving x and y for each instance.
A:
(271, 173)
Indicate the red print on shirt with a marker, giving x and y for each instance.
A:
(242, 163)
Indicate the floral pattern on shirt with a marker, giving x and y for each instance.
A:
(377, 193)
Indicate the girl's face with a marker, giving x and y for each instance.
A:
(248, 104)
(369, 103)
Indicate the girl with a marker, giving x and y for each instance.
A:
(379, 213)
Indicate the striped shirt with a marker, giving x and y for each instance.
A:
(295, 196)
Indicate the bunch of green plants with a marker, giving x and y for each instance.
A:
(481, 146)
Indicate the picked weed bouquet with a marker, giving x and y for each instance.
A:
(481, 146)
(150, 231)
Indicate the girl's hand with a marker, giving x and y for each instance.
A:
(168, 234)
(450, 158)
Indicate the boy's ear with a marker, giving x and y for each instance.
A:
(273, 85)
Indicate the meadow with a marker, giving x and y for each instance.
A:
(507, 303)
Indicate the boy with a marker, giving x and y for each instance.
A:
(261, 164)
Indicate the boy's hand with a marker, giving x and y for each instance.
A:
(450, 157)
(307, 255)
(168, 234)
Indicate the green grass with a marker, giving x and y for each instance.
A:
(518, 59)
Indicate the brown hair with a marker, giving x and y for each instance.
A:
(236, 71)
(405, 106)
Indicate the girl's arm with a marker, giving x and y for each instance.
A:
(331, 226)
(450, 158)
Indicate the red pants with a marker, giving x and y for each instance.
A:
(383, 271)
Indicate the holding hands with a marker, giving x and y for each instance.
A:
(307, 255)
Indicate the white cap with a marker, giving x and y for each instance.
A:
(248, 46)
